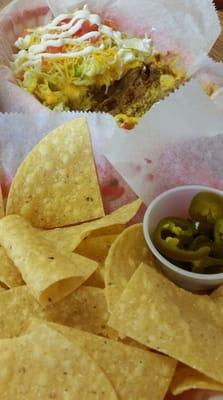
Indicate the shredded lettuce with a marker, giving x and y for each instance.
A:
(68, 82)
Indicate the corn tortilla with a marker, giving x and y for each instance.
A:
(124, 257)
(9, 274)
(50, 275)
(97, 279)
(2, 209)
(155, 312)
(83, 309)
(217, 297)
(186, 378)
(45, 365)
(68, 239)
(57, 185)
(134, 373)
(96, 247)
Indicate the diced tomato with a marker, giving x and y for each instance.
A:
(64, 21)
(128, 125)
(53, 50)
(43, 61)
(21, 76)
(94, 39)
(111, 23)
(86, 27)
(93, 28)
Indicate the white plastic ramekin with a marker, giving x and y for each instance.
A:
(175, 203)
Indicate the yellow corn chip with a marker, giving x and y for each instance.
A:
(155, 312)
(97, 279)
(134, 373)
(83, 309)
(131, 342)
(17, 306)
(186, 378)
(124, 257)
(217, 297)
(46, 365)
(2, 210)
(111, 229)
(57, 184)
(96, 247)
(67, 239)
(50, 275)
(9, 274)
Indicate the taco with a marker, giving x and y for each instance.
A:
(79, 61)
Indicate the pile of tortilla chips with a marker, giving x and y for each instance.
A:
(81, 303)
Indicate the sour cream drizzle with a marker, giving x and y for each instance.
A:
(71, 54)
(56, 34)
(40, 48)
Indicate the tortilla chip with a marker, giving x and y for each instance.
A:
(131, 342)
(134, 373)
(17, 306)
(67, 239)
(83, 309)
(217, 297)
(2, 209)
(110, 229)
(45, 365)
(124, 257)
(57, 185)
(9, 274)
(155, 312)
(96, 247)
(97, 279)
(49, 274)
(186, 378)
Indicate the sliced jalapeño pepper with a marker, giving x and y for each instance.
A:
(178, 227)
(200, 241)
(206, 207)
(204, 229)
(218, 231)
(208, 265)
(217, 250)
(169, 239)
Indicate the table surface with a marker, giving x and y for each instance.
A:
(216, 52)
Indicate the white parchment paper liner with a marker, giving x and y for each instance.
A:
(186, 27)
(179, 142)
(174, 143)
